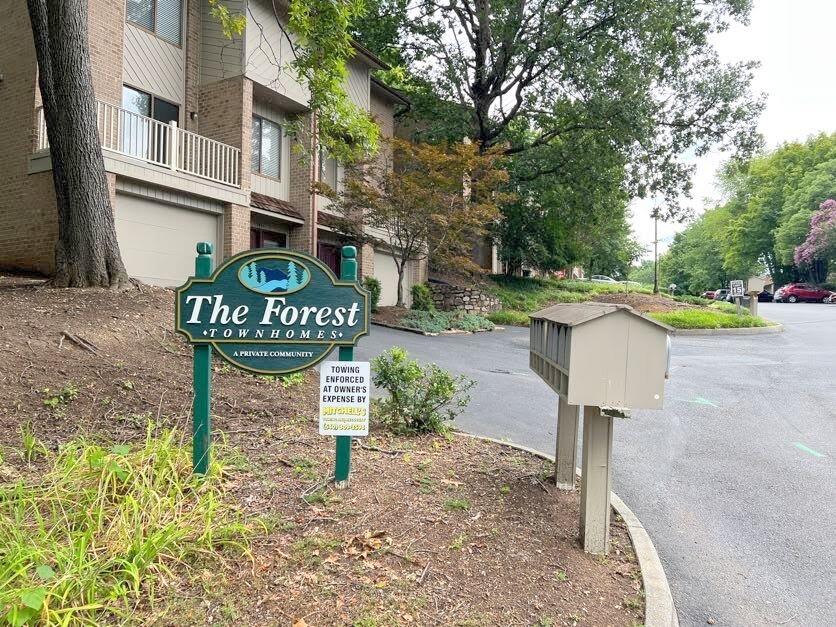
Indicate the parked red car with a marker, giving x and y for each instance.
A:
(709, 294)
(797, 292)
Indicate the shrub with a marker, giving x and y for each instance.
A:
(372, 285)
(427, 321)
(421, 398)
(422, 299)
(103, 525)
(440, 321)
(471, 322)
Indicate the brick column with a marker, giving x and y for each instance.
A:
(367, 260)
(236, 229)
(299, 193)
(106, 34)
(192, 42)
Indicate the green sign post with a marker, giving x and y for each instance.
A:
(268, 311)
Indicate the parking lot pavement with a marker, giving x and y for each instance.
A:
(734, 479)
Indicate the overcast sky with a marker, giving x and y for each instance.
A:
(793, 40)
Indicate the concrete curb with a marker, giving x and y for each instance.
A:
(659, 610)
(428, 334)
(775, 328)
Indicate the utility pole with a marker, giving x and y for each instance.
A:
(656, 250)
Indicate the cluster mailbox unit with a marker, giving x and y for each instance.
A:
(609, 359)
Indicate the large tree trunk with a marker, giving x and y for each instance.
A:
(87, 253)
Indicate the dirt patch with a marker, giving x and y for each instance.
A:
(645, 303)
(433, 530)
(390, 315)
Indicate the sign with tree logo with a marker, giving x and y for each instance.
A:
(272, 312)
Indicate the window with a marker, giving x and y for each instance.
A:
(266, 146)
(262, 238)
(164, 17)
(327, 169)
(140, 137)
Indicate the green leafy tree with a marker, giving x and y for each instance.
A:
(640, 74)
(772, 197)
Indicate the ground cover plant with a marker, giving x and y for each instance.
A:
(439, 321)
(434, 529)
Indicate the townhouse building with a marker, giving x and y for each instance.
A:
(194, 134)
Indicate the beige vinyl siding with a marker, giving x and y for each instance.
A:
(358, 83)
(268, 54)
(220, 57)
(265, 185)
(154, 65)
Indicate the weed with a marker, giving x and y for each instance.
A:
(456, 505)
(32, 446)
(707, 319)
(103, 525)
(127, 384)
(545, 621)
(292, 380)
(305, 468)
(505, 489)
(634, 603)
(56, 398)
(458, 542)
(561, 575)
(426, 485)
(309, 549)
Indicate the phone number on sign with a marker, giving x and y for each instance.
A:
(344, 426)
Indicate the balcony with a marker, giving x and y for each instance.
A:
(166, 145)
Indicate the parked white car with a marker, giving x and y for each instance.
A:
(600, 278)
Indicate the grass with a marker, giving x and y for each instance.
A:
(440, 321)
(707, 319)
(102, 526)
(521, 296)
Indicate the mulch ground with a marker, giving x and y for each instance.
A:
(390, 315)
(645, 303)
(432, 531)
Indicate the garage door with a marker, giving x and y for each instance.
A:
(386, 272)
(158, 240)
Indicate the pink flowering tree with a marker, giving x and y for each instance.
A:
(819, 249)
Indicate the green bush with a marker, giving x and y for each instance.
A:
(471, 322)
(421, 398)
(509, 317)
(532, 294)
(427, 321)
(440, 321)
(372, 285)
(422, 299)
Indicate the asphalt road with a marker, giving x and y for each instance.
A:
(734, 479)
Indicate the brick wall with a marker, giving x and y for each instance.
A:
(366, 264)
(106, 34)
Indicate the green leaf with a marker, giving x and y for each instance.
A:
(120, 449)
(19, 616)
(45, 572)
(33, 598)
(118, 471)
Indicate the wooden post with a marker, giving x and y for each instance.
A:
(566, 452)
(753, 303)
(596, 480)
(202, 379)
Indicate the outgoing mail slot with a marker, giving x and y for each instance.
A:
(601, 354)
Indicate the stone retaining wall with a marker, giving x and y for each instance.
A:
(468, 299)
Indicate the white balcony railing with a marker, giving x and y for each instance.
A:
(166, 145)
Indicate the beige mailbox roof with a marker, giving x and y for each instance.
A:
(574, 314)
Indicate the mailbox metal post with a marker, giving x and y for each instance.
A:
(566, 453)
(596, 480)
(342, 461)
(753, 303)
(202, 379)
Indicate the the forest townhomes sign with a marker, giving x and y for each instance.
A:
(272, 312)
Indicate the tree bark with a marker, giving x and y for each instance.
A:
(87, 252)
